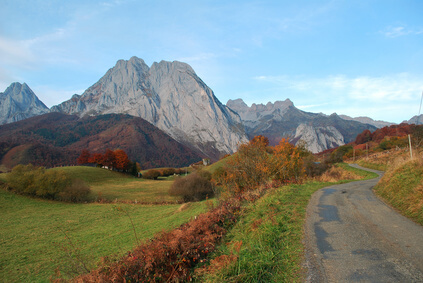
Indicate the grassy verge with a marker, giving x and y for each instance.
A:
(35, 234)
(362, 173)
(266, 244)
(372, 165)
(401, 186)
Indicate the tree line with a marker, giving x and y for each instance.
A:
(114, 160)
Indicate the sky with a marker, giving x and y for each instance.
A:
(357, 57)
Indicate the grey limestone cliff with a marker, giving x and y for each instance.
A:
(19, 102)
(283, 120)
(170, 96)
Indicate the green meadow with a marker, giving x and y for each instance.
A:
(39, 237)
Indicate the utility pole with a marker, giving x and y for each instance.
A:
(411, 151)
(353, 155)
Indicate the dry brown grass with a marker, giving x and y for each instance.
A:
(401, 186)
(336, 173)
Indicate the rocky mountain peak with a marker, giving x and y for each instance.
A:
(170, 96)
(252, 115)
(19, 102)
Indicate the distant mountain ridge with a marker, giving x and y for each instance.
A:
(418, 120)
(170, 96)
(367, 120)
(19, 102)
(173, 98)
(283, 120)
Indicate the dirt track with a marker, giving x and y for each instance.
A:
(352, 236)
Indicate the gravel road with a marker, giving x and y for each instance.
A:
(352, 236)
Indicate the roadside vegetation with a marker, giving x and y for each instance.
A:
(402, 187)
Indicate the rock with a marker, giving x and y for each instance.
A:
(283, 120)
(319, 139)
(170, 96)
(19, 102)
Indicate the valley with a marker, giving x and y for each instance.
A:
(267, 162)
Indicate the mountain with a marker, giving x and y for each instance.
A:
(417, 119)
(19, 102)
(55, 139)
(283, 120)
(366, 120)
(171, 97)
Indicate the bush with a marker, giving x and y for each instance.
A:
(151, 174)
(193, 187)
(49, 184)
(165, 172)
(78, 191)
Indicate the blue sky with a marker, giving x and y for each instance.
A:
(359, 58)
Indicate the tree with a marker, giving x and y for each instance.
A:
(109, 159)
(289, 166)
(260, 140)
(84, 157)
(364, 137)
(97, 158)
(194, 187)
(249, 168)
(121, 160)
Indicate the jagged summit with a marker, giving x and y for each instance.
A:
(283, 120)
(19, 102)
(170, 96)
(250, 115)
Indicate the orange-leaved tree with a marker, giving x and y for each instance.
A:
(289, 166)
(121, 160)
(249, 168)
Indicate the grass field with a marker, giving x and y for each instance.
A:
(36, 235)
(112, 185)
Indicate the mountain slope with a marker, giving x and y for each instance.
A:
(57, 139)
(19, 102)
(170, 96)
(283, 120)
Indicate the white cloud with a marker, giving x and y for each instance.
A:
(382, 97)
(395, 87)
(401, 30)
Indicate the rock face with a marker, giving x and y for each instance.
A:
(283, 120)
(19, 102)
(417, 119)
(319, 139)
(170, 96)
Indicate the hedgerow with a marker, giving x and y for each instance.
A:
(48, 184)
